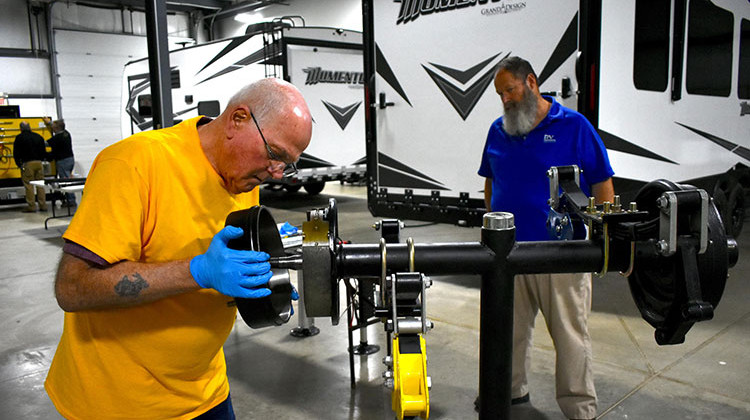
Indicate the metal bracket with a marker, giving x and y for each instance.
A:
(561, 175)
(669, 204)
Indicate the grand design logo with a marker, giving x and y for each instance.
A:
(412, 9)
(317, 75)
(342, 114)
(460, 94)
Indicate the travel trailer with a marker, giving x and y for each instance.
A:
(665, 82)
(324, 63)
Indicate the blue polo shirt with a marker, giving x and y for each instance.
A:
(518, 165)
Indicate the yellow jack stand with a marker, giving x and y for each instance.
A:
(410, 397)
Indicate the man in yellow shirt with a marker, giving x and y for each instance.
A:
(146, 281)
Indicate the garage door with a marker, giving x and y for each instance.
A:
(90, 67)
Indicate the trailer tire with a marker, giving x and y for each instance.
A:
(315, 188)
(292, 188)
(720, 201)
(735, 211)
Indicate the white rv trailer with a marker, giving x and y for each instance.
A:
(324, 63)
(431, 65)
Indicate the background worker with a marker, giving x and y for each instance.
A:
(29, 150)
(534, 134)
(146, 281)
(62, 153)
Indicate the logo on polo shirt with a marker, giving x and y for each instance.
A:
(549, 138)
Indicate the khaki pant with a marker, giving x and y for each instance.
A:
(33, 171)
(565, 302)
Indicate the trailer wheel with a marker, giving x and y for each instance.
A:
(720, 201)
(735, 211)
(292, 188)
(314, 188)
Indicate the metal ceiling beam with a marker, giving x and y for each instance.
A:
(247, 6)
(171, 5)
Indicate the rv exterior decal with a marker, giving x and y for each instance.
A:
(309, 161)
(566, 47)
(613, 142)
(744, 108)
(253, 58)
(342, 115)
(229, 48)
(401, 175)
(464, 100)
(740, 151)
(317, 75)
(386, 72)
(412, 9)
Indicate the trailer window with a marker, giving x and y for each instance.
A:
(651, 50)
(743, 88)
(709, 49)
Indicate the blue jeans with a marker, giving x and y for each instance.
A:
(223, 411)
(64, 170)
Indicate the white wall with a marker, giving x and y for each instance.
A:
(25, 69)
(14, 25)
(25, 60)
(346, 14)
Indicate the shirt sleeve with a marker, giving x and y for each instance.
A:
(110, 218)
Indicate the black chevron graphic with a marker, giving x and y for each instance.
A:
(256, 57)
(386, 72)
(566, 47)
(342, 115)
(735, 148)
(463, 101)
(393, 173)
(226, 50)
(613, 142)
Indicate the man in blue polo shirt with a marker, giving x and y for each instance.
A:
(534, 134)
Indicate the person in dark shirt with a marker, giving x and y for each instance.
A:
(62, 153)
(29, 150)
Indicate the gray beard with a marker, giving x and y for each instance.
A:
(519, 119)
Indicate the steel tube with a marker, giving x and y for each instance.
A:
(496, 323)
(356, 260)
(558, 257)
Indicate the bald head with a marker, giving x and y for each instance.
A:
(234, 142)
(270, 99)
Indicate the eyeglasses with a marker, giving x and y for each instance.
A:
(277, 164)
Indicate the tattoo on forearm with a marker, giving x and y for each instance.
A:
(128, 288)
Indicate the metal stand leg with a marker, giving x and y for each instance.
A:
(365, 291)
(496, 322)
(306, 326)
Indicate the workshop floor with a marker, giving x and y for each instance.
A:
(276, 376)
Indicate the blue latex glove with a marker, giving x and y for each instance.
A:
(295, 296)
(286, 229)
(232, 272)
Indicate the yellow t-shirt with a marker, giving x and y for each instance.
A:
(152, 197)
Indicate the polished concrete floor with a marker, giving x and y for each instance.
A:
(276, 376)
